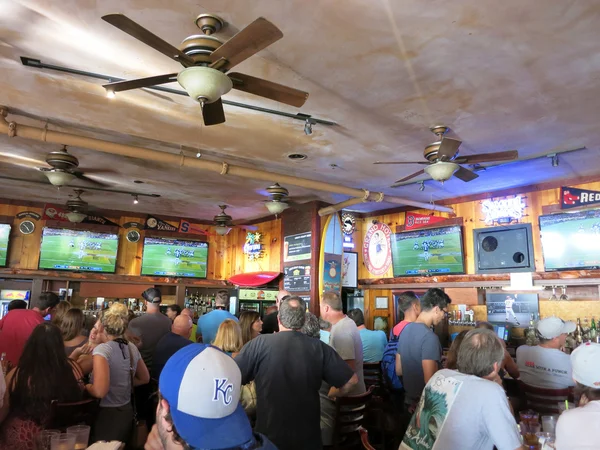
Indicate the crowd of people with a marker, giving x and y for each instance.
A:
(244, 383)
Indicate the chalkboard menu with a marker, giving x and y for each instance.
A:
(297, 278)
(297, 247)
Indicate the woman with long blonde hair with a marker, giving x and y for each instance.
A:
(229, 337)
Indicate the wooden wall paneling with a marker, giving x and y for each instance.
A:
(129, 256)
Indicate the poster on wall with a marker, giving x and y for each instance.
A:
(297, 278)
(332, 273)
(331, 259)
(297, 247)
(515, 309)
(377, 251)
(350, 270)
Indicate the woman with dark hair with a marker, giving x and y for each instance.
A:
(43, 374)
(71, 327)
(250, 324)
(173, 311)
(113, 362)
(452, 355)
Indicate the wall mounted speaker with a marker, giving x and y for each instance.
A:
(504, 249)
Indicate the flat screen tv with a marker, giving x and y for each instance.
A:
(571, 240)
(4, 236)
(428, 252)
(78, 250)
(171, 257)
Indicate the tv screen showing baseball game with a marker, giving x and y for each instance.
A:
(174, 258)
(78, 250)
(4, 236)
(571, 240)
(428, 252)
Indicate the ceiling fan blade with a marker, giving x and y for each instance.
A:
(268, 89)
(213, 113)
(94, 170)
(82, 177)
(119, 86)
(401, 162)
(402, 180)
(465, 174)
(258, 35)
(448, 149)
(488, 157)
(137, 31)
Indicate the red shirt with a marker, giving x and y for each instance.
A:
(15, 329)
(399, 327)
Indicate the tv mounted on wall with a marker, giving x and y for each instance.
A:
(571, 240)
(4, 237)
(78, 250)
(428, 252)
(172, 257)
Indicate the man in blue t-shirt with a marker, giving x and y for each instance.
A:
(209, 323)
(373, 341)
(419, 350)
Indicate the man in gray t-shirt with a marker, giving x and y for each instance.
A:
(150, 327)
(345, 339)
(467, 410)
(419, 350)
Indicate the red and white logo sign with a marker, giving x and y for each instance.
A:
(414, 221)
(377, 251)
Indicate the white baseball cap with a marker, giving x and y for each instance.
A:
(552, 327)
(585, 361)
(203, 387)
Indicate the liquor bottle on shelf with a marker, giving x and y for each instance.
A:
(578, 333)
(530, 335)
(593, 331)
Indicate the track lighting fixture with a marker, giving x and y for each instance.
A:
(308, 126)
(110, 94)
(422, 186)
(135, 200)
(555, 161)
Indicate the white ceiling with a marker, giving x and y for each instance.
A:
(521, 76)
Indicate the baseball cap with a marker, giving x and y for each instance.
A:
(203, 386)
(585, 362)
(152, 295)
(552, 327)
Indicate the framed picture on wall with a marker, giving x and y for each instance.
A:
(350, 270)
(382, 323)
(381, 303)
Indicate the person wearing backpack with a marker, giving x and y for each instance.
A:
(410, 308)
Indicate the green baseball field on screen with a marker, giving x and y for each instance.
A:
(77, 250)
(4, 236)
(411, 258)
(174, 258)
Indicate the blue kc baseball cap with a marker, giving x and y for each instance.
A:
(203, 386)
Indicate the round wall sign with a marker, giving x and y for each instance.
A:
(133, 236)
(377, 251)
(348, 224)
(26, 227)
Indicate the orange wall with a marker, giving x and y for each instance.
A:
(225, 256)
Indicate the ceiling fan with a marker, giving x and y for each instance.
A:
(77, 208)
(206, 59)
(224, 223)
(64, 168)
(443, 160)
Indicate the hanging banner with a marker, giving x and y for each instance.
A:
(55, 212)
(156, 224)
(576, 198)
(191, 228)
(414, 221)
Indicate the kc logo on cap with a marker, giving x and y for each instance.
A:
(223, 391)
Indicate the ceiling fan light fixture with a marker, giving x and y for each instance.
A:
(59, 177)
(222, 230)
(441, 171)
(204, 83)
(276, 207)
(75, 217)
